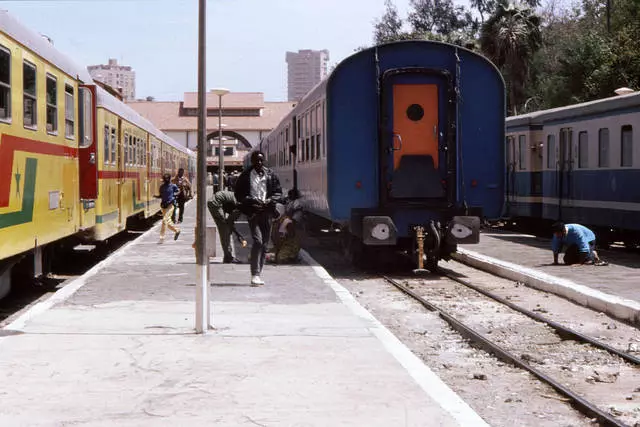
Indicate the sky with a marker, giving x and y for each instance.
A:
(246, 39)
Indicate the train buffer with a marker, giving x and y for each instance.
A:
(117, 347)
(611, 289)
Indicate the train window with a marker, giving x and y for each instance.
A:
(113, 145)
(626, 149)
(5, 83)
(522, 148)
(69, 112)
(324, 131)
(29, 95)
(86, 117)
(603, 148)
(130, 148)
(52, 103)
(106, 150)
(126, 148)
(551, 151)
(583, 150)
(287, 154)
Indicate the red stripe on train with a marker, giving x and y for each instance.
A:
(9, 144)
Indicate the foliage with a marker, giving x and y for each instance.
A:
(510, 38)
(550, 55)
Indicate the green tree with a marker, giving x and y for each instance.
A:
(389, 27)
(510, 38)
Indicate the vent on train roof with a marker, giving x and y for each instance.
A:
(623, 91)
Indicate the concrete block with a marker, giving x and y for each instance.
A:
(211, 241)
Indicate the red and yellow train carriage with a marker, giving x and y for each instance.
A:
(74, 160)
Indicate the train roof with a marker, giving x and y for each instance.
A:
(109, 102)
(599, 106)
(43, 48)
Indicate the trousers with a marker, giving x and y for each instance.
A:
(260, 227)
(167, 213)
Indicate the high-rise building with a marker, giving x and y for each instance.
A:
(119, 77)
(306, 68)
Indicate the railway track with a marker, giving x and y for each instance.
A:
(508, 355)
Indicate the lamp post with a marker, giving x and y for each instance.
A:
(220, 92)
(202, 261)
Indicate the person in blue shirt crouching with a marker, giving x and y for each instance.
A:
(580, 244)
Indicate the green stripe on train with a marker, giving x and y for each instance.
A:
(25, 215)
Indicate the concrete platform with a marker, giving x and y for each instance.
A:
(612, 289)
(117, 347)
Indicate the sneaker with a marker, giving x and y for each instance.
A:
(161, 241)
(175, 236)
(256, 281)
(231, 261)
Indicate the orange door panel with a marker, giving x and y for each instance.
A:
(415, 121)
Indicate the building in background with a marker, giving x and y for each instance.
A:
(246, 118)
(119, 77)
(305, 69)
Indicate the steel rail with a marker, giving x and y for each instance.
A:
(582, 404)
(563, 331)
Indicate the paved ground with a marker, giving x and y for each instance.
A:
(297, 352)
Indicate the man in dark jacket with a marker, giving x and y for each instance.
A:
(258, 190)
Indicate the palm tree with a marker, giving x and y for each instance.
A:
(510, 38)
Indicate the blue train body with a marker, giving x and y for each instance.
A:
(400, 137)
(577, 164)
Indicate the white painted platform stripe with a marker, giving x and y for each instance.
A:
(621, 308)
(423, 376)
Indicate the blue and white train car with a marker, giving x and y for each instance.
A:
(401, 146)
(584, 164)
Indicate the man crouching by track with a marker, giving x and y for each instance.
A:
(258, 190)
(168, 192)
(580, 243)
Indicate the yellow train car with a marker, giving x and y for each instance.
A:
(74, 160)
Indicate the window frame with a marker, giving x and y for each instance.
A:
(522, 152)
(51, 108)
(551, 151)
(69, 112)
(607, 148)
(106, 149)
(583, 161)
(33, 98)
(629, 163)
(7, 85)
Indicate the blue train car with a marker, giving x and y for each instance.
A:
(401, 146)
(584, 165)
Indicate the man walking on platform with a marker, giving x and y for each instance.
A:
(257, 190)
(580, 242)
(185, 193)
(224, 210)
(168, 192)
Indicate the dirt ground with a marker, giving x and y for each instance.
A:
(502, 394)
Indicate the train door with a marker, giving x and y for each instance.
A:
(565, 168)
(120, 165)
(146, 160)
(87, 141)
(410, 145)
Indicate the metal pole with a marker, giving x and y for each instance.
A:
(221, 157)
(202, 285)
